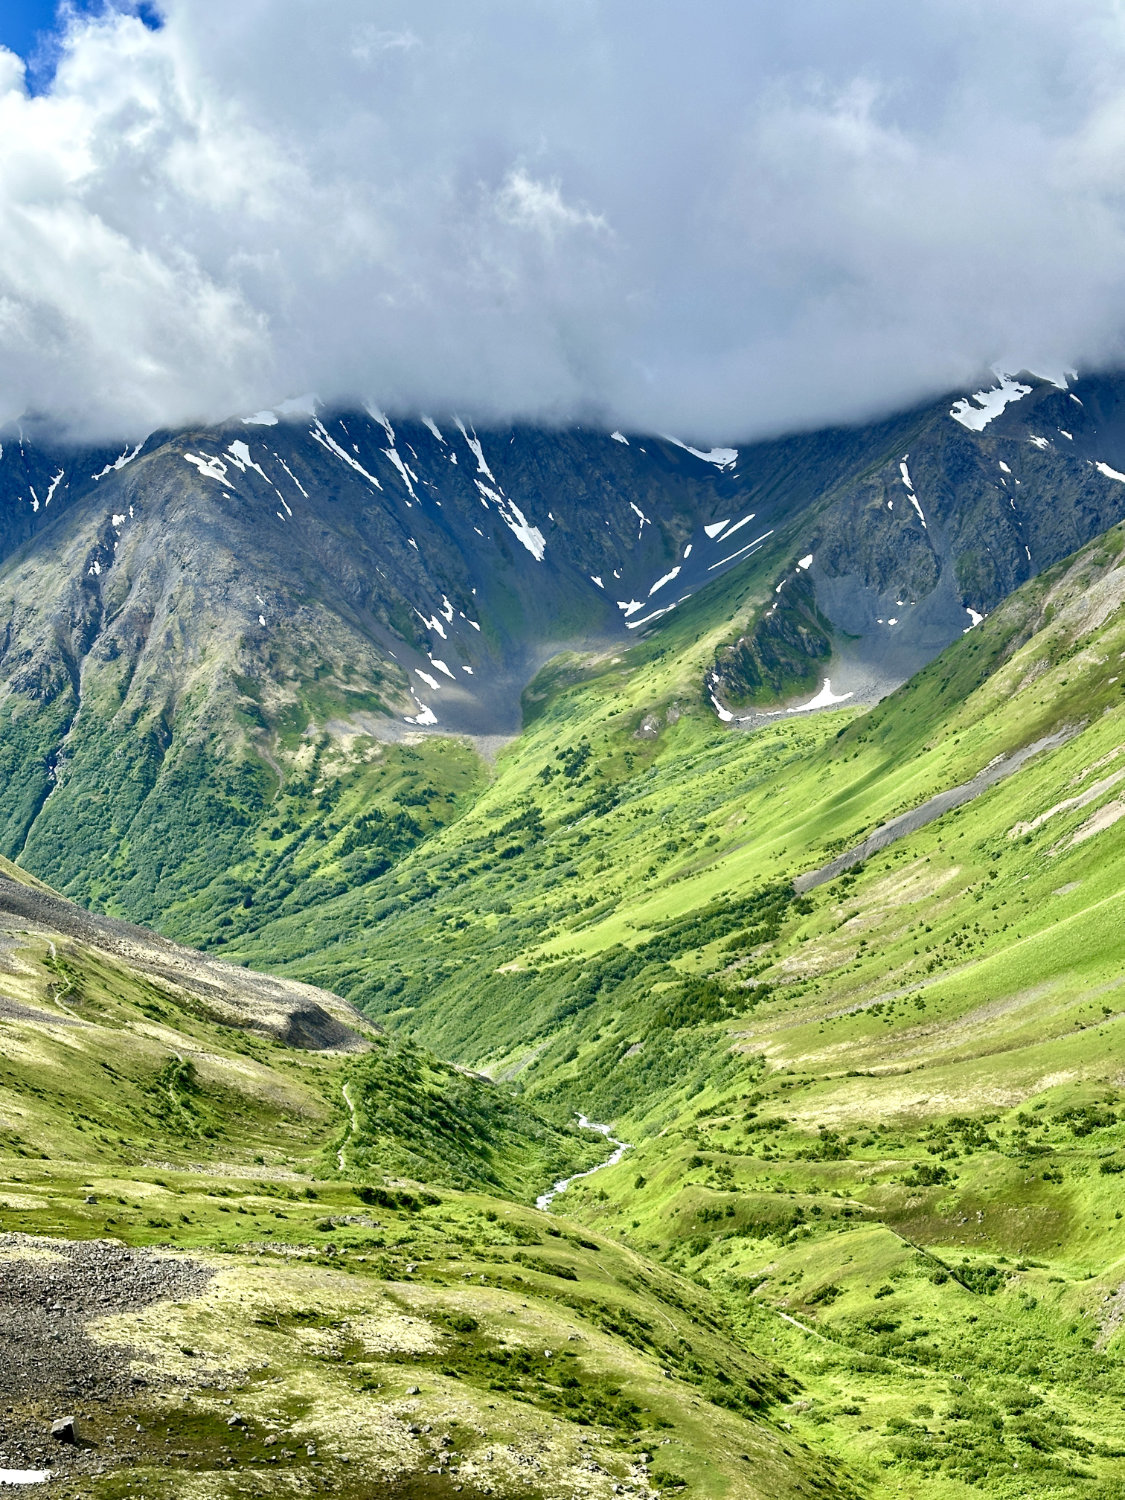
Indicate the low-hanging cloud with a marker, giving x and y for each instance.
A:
(722, 220)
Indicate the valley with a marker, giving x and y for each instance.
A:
(847, 981)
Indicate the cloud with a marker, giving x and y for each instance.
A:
(721, 222)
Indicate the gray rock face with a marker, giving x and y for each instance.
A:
(51, 1290)
(935, 525)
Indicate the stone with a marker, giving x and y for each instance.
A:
(63, 1430)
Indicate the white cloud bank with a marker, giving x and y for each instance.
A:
(721, 219)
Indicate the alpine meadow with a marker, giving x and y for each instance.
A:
(562, 895)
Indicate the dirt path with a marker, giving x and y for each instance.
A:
(341, 1162)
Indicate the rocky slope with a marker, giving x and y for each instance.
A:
(300, 1015)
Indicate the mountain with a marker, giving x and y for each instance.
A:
(282, 613)
(843, 974)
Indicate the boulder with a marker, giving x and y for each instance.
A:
(63, 1430)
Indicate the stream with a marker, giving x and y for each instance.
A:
(545, 1200)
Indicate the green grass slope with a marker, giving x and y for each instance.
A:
(882, 1122)
(380, 1310)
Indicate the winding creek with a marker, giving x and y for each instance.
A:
(545, 1200)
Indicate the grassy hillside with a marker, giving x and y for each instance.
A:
(324, 1275)
(882, 1122)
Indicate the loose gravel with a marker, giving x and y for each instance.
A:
(50, 1290)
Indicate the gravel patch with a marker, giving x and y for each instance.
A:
(50, 1290)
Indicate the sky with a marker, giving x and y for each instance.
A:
(34, 28)
(722, 220)
(22, 22)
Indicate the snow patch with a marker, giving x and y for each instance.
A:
(824, 699)
(1004, 466)
(292, 476)
(749, 547)
(716, 527)
(210, 468)
(433, 426)
(424, 715)
(724, 713)
(595, 579)
(431, 682)
(806, 561)
(477, 450)
(619, 437)
(319, 433)
(384, 421)
(660, 582)
(974, 615)
(407, 475)
(261, 419)
(240, 453)
(24, 1476)
(119, 463)
(913, 498)
(648, 619)
(1110, 473)
(722, 458)
(989, 404)
(514, 518)
(441, 666)
(630, 606)
(52, 488)
(433, 623)
(1039, 442)
(644, 519)
(738, 525)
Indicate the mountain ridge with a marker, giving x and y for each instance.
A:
(190, 622)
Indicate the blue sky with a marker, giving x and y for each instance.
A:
(26, 26)
(21, 21)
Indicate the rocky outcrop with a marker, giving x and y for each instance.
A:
(299, 1015)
